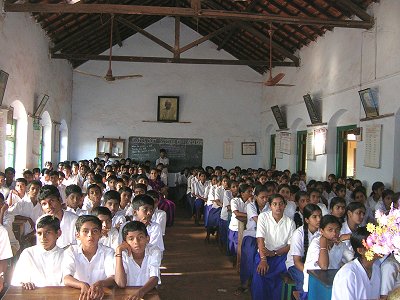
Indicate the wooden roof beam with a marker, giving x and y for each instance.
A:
(180, 12)
(353, 8)
(196, 61)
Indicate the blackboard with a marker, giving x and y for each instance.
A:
(181, 152)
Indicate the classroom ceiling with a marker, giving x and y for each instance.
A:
(80, 31)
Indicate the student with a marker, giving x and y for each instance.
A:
(238, 208)
(214, 205)
(74, 199)
(5, 254)
(6, 220)
(18, 193)
(359, 195)
(390, 275)
(159, 216)
(290, 208)
(143, 207)
(109, 234)
(315, 197)
(377, 189)
(299, 242)
(200, 196)
(231, 191)
(324, 251)
(88, 266)
(39, 266)
(301, 199)
(126, 198)
(28, 175)
(112, 199)
(55, 180)
(167, 205)
(249, 242)
(338, 208)
(10, 175)
(137, 263)
(93, 198)
(155, 180)
(274, 230)
(355, 212)
(339, 191)
(50, 200)
(360, 278)
(3, 189)
(163, 159)
(384, 205)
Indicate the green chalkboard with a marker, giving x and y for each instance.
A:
(181, 152)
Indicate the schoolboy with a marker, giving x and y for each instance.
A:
(90, 265)
(315, 197)
(29, 209)
(126, 198)
(10, 175)
(109, 234)
(136, 262)
(92, 198)
(143, 207)
(74, 199)
(159, 216)
(18, 193)
(50, 200)
(55, 180)
(6, 220)
(112, 199)
(139, 189)
(28, 175)
(5, 254)
(3, 189)
(39, 265)
(111, 182)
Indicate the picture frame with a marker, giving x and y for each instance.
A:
(369, 103)
(115, 147)
(168, 109)
(3, 84)
(249, 148)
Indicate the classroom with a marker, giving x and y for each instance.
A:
(194, 77)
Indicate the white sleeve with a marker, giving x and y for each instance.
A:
(68, 264)
(261, 226)
(234, 204)
(389, 274)
(297, 243)
(344, 286)
(251, 211)
(156, 238)
(109, 262)
(5, 246)
(163, 221)
(21, 272)
(154, 263)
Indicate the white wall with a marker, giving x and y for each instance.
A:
(333, 70)
(217, 105)
(24, 55)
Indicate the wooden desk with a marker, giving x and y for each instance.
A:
(320, 284)
(67, 293)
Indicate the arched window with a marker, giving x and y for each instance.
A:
(63, 141)
(46, 138)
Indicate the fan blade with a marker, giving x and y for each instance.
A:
(274, 80)
(258, 82)
(128, 76)
(284, 84)
(88, 74)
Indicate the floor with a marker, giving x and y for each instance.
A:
(193, 269)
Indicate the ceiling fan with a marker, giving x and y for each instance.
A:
(109, 75)
(271, 81)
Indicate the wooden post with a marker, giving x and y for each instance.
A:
(241, 227)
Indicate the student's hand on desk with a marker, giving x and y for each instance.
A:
(28, 285)
(137, 295)
(96, 291)
(85, 292)
(262, 267)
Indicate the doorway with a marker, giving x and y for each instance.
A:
(272, 159)
(346, 152)
(301, 161)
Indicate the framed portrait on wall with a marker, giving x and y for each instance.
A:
(249, 148)
(168, 109)
(369, 103)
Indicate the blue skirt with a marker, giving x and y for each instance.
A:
(268, 286)
(249, 251)
(207, 209)
(213, 217)
(198, 205)
(298, 278)
(223, 231)
(232, 242)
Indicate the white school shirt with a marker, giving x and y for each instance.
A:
(5, 246)
(100, 267)
(351, 282)
(346, 230)
(200, 188)
(26, 208)
(39, 266)
(68, 231)
(251, 226)
(111, 240)
(297, 244)
(118, 219)
(139, 275)
(371, 203)
(225, 203)
(368, 217)
(381, 206)
(323, 209)
(78, 211)
(189, 184)
(290, 209)
(61, 188)
(390, 275)
(276, 235)
(164, 161)
(8, 220)
(214, 193)
(337, 255)
(154, 231)
(87, 204)
(236, 204)
(5, 191)
(160, 217)
(14, 199)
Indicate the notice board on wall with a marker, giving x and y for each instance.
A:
(182, 152)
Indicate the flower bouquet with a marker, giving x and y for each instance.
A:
(385, 235)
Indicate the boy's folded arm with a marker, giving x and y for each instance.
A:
(70, 281)
(150, 284)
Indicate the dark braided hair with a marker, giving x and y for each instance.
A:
(259, 189)
(307, 212)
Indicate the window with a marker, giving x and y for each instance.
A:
(11, 131)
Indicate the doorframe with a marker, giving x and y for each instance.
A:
(299, 149)
(339, 146)
(272, 159)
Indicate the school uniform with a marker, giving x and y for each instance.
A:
(390, 274)
(14, 199)
(5, 246)
(118, 219)
(160, 217)
(290, 209)
(87, 204)
(338, 255)
(236, 204)
(155, 233)
(199, 190)
(381, 207)
(214, 211)
(78, 211)
(5, 191)
(100, 267)
(298, 218)
(368, 217)
(346, 230)
(169, 207)
(61, 188)
(39, 266)
(352, 282)
(249, 243)
(223, 217)
(297, 249)
(68, 231)
(371, 203)
(323, 209)
(139, 275)
(111, 240)
(26, 208)
(8, 220)
(276, 235)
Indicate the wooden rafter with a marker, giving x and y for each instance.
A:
(182, 12)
